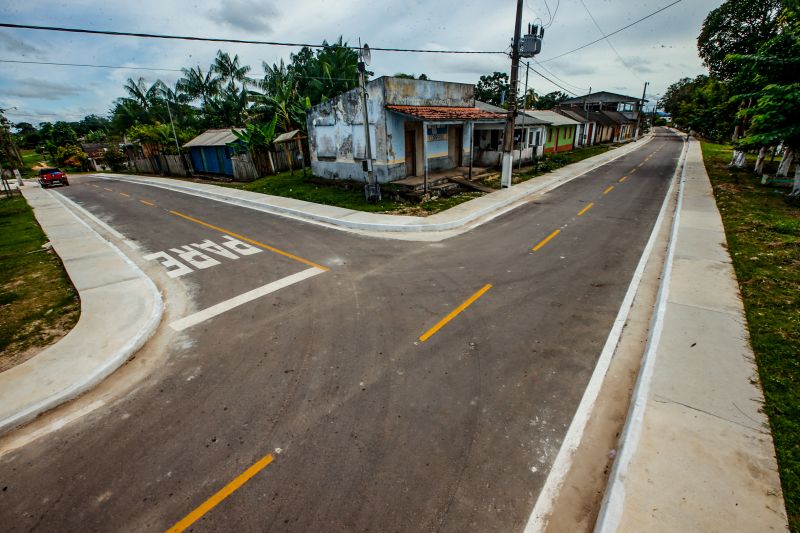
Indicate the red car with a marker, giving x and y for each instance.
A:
(50, 176)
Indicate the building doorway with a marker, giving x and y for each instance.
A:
(411, 152)
(456, 145)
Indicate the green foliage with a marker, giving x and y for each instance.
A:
(736, 27)
(9, 153)
(550, 100)
(115, 158)
(158, 138)
(775, 117)
(493, 89)
(72, 156)
(702, 104)
(256, 136)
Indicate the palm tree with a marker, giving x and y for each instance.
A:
(229, 69)
(195, 84)
(279, 97)
(139, 92)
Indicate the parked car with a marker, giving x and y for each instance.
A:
(50, 176)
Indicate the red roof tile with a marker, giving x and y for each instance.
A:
(434, 113)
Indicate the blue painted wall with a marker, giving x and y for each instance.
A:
(212, 159)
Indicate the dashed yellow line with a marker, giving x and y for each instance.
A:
(455, 312)
(251, 241)
(632, 171)
(223, 493)
(582, 211)
(608, 189)
(546, 240)
(109, 190)
(145, 202)
(125, 194)
(623, 178)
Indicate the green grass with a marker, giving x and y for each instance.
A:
(546, 164)
(346, 194)
(763, 232)
(30, 158)
(38, 304)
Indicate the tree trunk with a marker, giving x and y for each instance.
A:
(786, 162)
(738, 159)
(796, 185)
(762, 154)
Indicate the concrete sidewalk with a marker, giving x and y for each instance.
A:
(461, 217)
(696, 453)
(120, 309)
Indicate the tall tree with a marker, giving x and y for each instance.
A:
(736, 27)
(198, 85)
(493, 89)
(229, 68)
(550, 100)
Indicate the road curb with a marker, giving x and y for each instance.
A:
(497, 203)
(543, 507)
(43, 382)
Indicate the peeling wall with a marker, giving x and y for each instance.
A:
(336, 134)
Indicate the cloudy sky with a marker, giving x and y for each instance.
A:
(659, 50)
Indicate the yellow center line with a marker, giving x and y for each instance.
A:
(582, 211)
(608, 189)
(145, 202)
(439, 325)
(632, 171)
(251, 241)
(125, 194)
(109, 190)
(623, 178)
(226, 491)
(546, 240)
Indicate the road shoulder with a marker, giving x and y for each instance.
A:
(120, 309)
(696, 453)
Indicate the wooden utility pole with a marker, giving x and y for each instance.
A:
(508, 140)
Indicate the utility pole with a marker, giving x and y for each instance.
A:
(175, 135)
(641, 111)
(586, 108)
(372, 190)
(529, 46)
(508, 139)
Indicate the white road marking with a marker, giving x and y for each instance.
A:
(537, 521)
(236, 301)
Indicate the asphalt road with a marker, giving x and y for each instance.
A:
(367, 427)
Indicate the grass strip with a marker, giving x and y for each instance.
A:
(38, 303)
(763, 233)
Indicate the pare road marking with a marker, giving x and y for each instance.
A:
(198, 255)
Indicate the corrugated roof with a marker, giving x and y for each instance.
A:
(552, 117)
(521, 120)
(286, 137)
(434, 113)
(220, 137)
(618, 117)
(602, 97)
(574, 114)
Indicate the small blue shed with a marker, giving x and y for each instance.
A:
(210, 152)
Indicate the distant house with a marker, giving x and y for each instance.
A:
(605, 127)
(529, 137)
(624, 127)
(415, 127)
(96, 152)
(629, 106)
(210, 152)
(561, 130)
(587, 128)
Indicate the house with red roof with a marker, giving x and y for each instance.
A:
(416, 127)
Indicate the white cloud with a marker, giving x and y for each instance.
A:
(249, 15)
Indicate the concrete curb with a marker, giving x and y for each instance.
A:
(457, 217)
(696, 453)
(120, 310)
(543, 507)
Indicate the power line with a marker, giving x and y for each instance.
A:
(608, 41)
(613, 32)
(560, 79)
(88, 65)
(555, 12)
(551, 81)
(153, 69)
(221, 40)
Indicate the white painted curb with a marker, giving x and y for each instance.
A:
(496, 209)
(613, 503)
(114, 360)
(537, 521)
